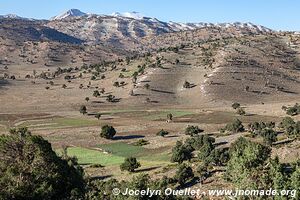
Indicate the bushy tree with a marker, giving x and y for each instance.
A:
(235, 105)
(96, 93)
(255, 128)
(205, 151)
(295, 182)
(181, 153)
(130, 164)
(169, 116)
(98, 115)
(202, 170)
(162, 133)
(293, 110)
(30, 169)
(83, 109)
(235, 126)
(183, 174)
(246, 161)
(186, 84)
(192, 130)
(240, 111)
(269, 136)
(196, 142)
(218, 157)
(141, 142)
(107, 132)
(290, 127)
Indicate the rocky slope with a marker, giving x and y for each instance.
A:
(127, 28)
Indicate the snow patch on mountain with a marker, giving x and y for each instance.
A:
(13, 16)
(68, 14)
(133, 15)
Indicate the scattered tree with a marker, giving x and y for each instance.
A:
(235, 126)
(184, 174)
(192, 130)
(181, 153)
(98, 115)
(240, 111)
(235, 105)
(30, 169)
(130, 164)
(162, 133)
(107, 132)
(83, 109)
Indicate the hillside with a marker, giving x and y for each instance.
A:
(190, 105)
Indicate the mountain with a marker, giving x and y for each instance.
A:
(126, 29)
(11, 16)
(105, 36)
(133, 15)
(68, 14)
(14, 16)
(192, 26)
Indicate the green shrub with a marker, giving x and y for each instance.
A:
(141, 142)
(107, 132)
(162, 133)
(235, 105)
(184, 174)
(235, 127)
(181, 153)
(130, 164)
(193, 130)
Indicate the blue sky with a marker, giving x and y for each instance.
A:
(276, 14)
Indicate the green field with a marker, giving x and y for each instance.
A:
(126, 150)
(60, 122)
(116, 153)
(89, 156)
(123, 149)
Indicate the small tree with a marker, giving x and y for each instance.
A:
(205, 151)
(235, 126)
(193, 130)
(170, 117)
(247, 88)
(183, 174)
(98, 115)
(186, 84)
(147, 86)
(162, 133)
(141, 142)
(202, 171)
(107, 132)
(64, 86)
(269, 136)
(295, 181)
(83, 109)
(96, 93)
(110, 98)
(116, 84)
(181, 153)
(240, 111)
(87, 99)
(130, 164)
(131, 93)
(235, 105)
